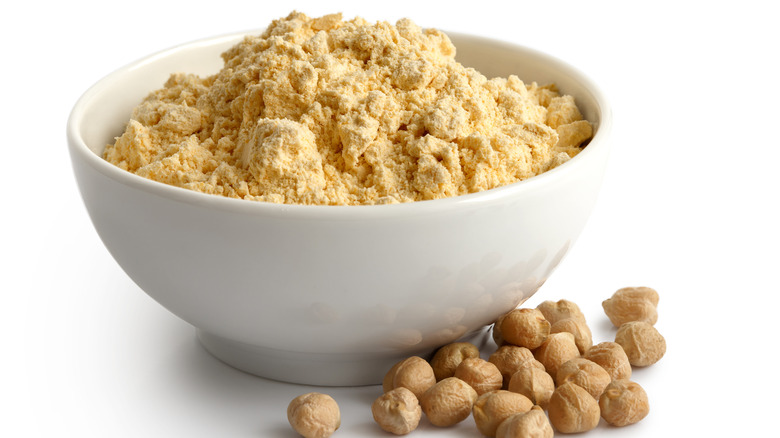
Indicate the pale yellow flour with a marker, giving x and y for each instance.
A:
(326, 111)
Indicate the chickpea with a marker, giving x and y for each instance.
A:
(492, 408)
(582, 334)
(556, 350)
(448, 402)
(623, 402)
(531, 424)
(646, 293)
(413, 373)
(525, 327)
(509, 393)
(572, 409)
(448, 357)
(498, 338)
(642, 343)
(314, 415)
(586, 374)
(612, 358)
(510, 358)
(632, 304)
(555, 311)
(482, 375)
(534, 383)
(397, 411)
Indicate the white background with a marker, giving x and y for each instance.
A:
(689, 207)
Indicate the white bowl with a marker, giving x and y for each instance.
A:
(333, 295)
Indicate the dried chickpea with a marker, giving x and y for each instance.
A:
(586, 374)
(556, 350)
(623, 402)
(448, 357)
(612, 358)
(646, 293)
(531, 424)
(572, 409)
(397, 411)
(555, 311)
(510, 358)
(482, 375)
(632, 304)
(582, 334)
(413, 373)
(533, 383)
(314, 415)
(448, 402)
(492, 408)
(525, 328)
(642, 343)
(498, 338)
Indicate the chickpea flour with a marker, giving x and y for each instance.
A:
(332, 112)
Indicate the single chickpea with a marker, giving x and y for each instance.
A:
(413, 373)
(642, 342)
(525, 328)
(531, 424)
(555, 311)
(314, 415)
(582, 334)
(498, 338)
(612, 358)
(623, 402)
(572, 409)
(448, 357)
(492, 408)
(482, 375)
(510, 358)
(397, 411)
(632, 304)
(556, 350)
(646, 293)
(448, 402)
(534, 383)
(584, 373)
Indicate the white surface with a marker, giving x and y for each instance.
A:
(689, 207)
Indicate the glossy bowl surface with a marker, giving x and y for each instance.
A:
(333, 295)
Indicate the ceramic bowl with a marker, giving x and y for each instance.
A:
(333, 295)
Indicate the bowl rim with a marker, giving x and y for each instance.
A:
(79, 149)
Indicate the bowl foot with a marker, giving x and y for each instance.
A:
(321, 369)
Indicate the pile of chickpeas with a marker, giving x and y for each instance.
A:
(545, 361)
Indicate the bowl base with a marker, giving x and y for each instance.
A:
(321, 369)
